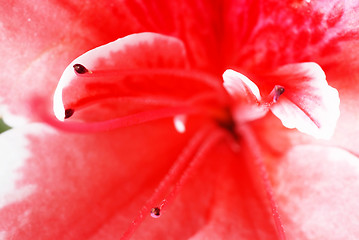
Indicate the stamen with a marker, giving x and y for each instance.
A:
(201, 99)
(278, 90)
(69, 112)
(39, 106)
(193, 165)
(273, 96)
(80, 69)
(174, 173)
(253, 146)
(155, 212)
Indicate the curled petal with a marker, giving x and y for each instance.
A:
(239, 86)
(245, 94)
(104, 72)
(136, 73)
(309, 103)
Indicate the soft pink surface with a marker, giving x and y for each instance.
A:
(57, 185)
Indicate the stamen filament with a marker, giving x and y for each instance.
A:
(126, 121)
(196, 75)
(148, 100)
(38, 105)
(253, 146)
(173, 173)
(193, 165)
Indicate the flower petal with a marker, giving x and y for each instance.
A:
(346, 134)
(309, 103)
(71, 185)
(240, 209)
(245, 96)
(317, 188)
(239, 86)
(40, 39)
(269, 34)
(144, 67)
(93, 185)
(134, 52)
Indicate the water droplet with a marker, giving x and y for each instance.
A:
(80, 69)
(155, 212)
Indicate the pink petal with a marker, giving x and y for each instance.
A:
(245, 96)
(317, 189)
(40, 39)
(238, 207)
(55, 192)
(309, 103)
(145, 67)
(346, 134)
(240, 87)
(136, 52)
(70, 186)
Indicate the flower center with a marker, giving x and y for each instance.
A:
(227, 122)
(225, 112)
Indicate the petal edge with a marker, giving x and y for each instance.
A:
(310, 104)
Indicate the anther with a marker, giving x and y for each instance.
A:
(278, 90)
(69, 112)
(155, 212)
(80, 69)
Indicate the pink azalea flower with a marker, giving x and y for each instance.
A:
(209, 117)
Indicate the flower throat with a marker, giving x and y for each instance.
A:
(223, 128)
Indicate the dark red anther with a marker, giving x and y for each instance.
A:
(278, 90)
(155, 212)
(80, 69)
(69, 112)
